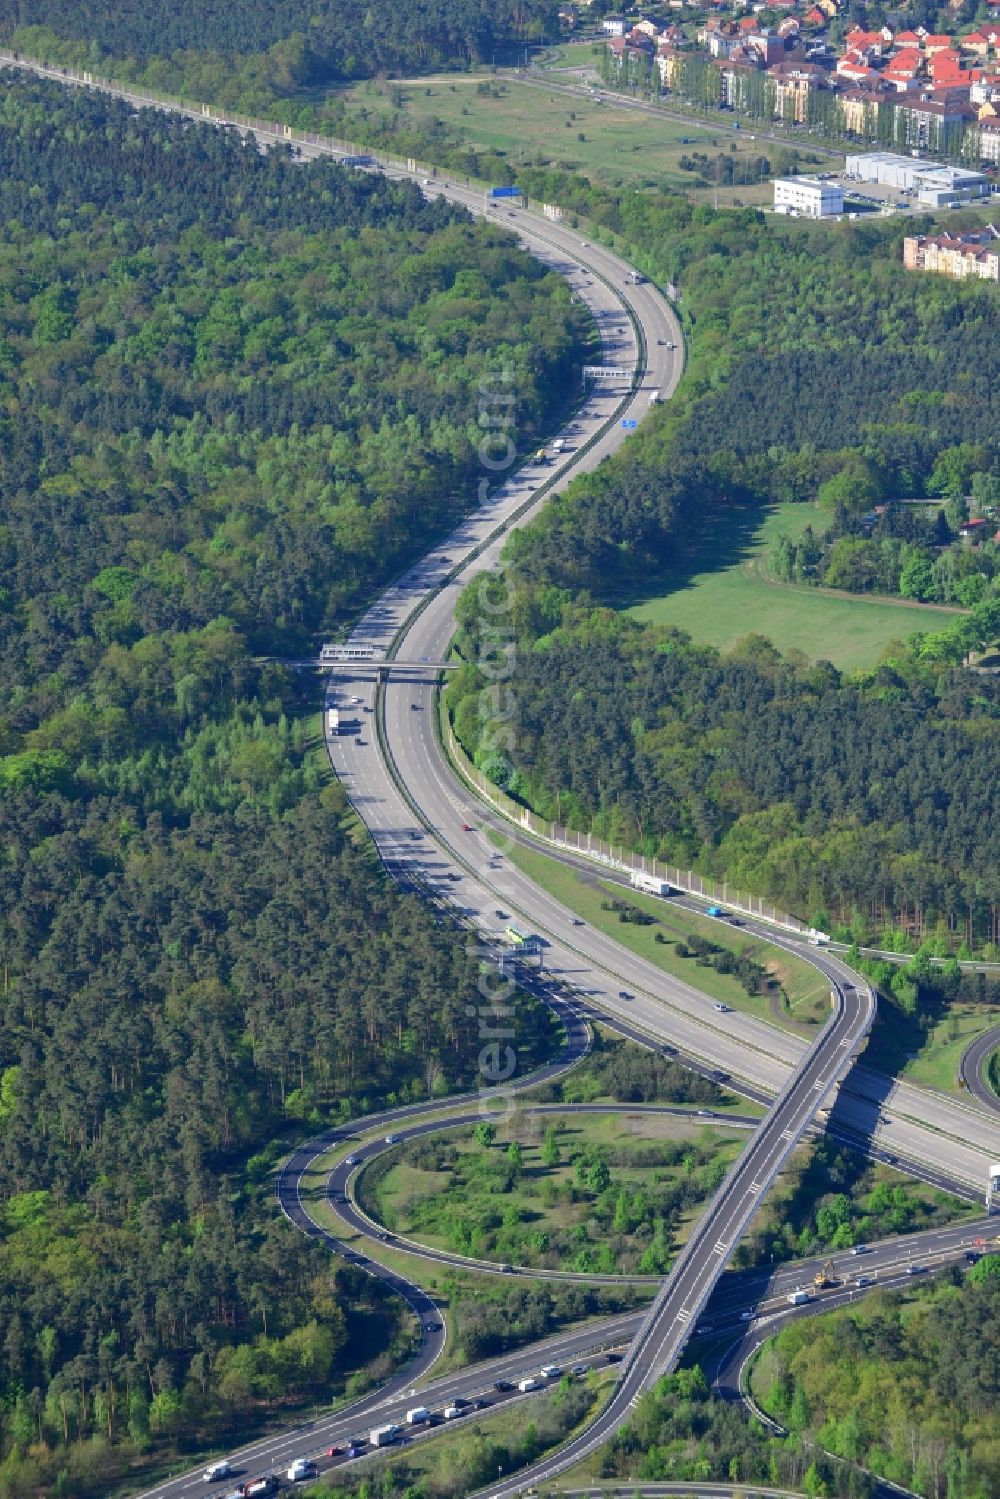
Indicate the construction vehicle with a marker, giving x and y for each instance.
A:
(826, 1277)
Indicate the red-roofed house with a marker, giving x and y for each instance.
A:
(909, 38)
(872, 42)
(976, 41)
(907, 60)
(852, 68)
(816, 17)
(934, 44)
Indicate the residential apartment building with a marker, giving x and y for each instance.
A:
(975, 253)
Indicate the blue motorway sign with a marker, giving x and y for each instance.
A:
(629, 423)
(505, 192)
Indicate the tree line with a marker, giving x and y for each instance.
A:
(845, 797)
(237, 392)
(908, 1389)
(300, 42)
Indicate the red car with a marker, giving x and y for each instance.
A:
(466, 827)
(334, 1451)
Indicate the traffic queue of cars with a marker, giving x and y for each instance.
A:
(387, 1435)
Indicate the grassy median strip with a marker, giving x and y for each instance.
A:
(479, 1447)
(799, 996)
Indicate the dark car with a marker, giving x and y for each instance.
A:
(503, 1385)
(481, 1405)
(614, 1358)
(460, 1403)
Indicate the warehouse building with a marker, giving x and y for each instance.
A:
(932, 185)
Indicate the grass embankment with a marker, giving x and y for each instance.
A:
(829, 1197)
(608, 144)
(806, 992)
(721, 591)
(455, 1291)
(928, 1057)
(604, 1193)
(621, 1071)
(481, 1447)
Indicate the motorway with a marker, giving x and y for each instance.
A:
(387, 798)
(403, 790)
(746, 1308)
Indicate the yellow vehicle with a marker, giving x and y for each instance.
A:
(825, 1277)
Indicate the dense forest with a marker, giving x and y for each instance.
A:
(829, 793)
(270, 60)
(310, 41)
(235, 392)
(859, 799)
(907, 1388)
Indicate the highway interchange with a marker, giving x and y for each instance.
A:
(427, 829)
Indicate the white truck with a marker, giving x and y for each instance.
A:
(383, 1436)
(655, 397)
(333, 720)
(559, 444)
(797, 1298)
(649, 883)
(417, 1414)
(526, 1385)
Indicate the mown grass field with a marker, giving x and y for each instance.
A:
(533, 124)
(722, 591)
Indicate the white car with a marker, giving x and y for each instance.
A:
(301, 1468)
(215, 1471)
(391, 1139)
(579, 1369)
(550, 1371)
(451, 1413)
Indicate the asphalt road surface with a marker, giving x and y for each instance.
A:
(973, 1070)
(407, 775)
(725, 1343)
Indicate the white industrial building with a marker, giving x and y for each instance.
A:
(933, 185)
(808, 197)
